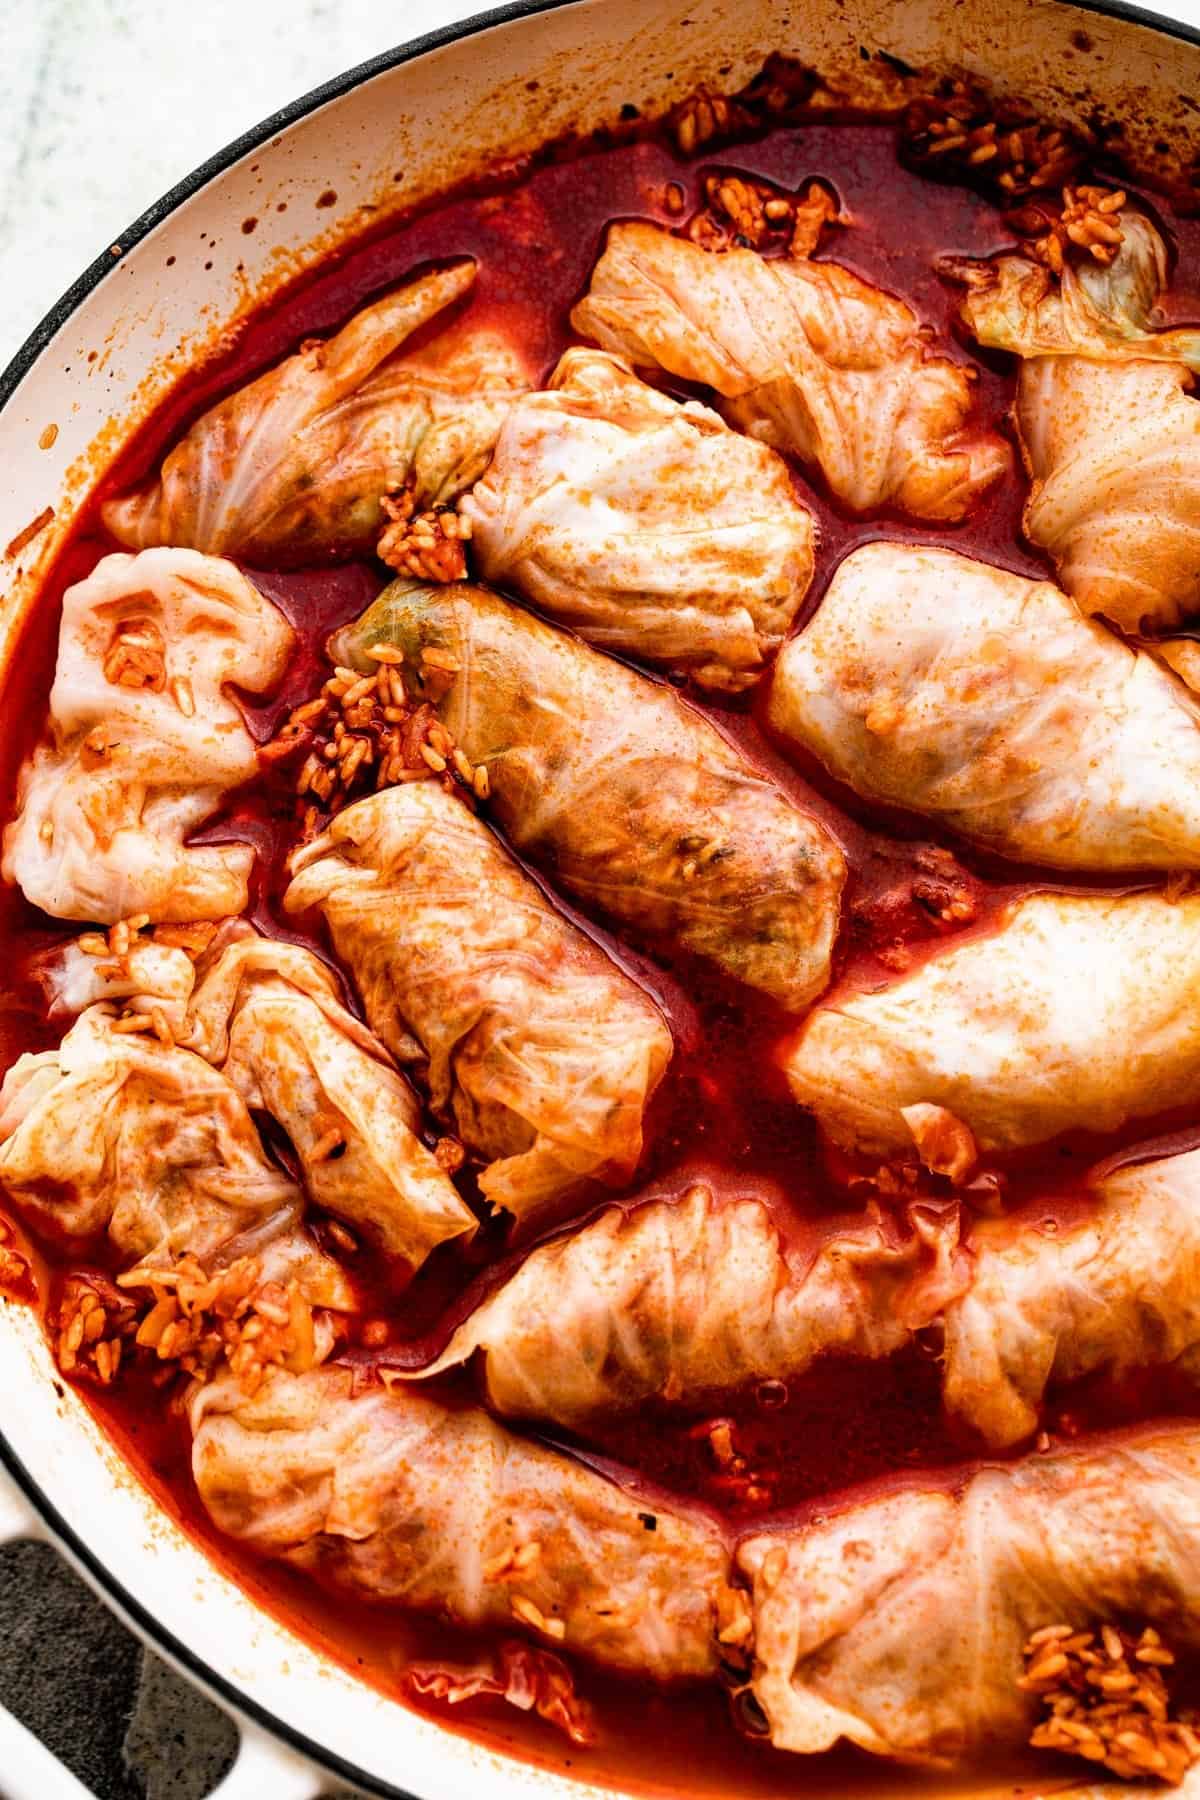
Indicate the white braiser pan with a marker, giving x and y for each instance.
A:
(382, 137)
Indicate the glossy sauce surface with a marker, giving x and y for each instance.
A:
(723, 1113)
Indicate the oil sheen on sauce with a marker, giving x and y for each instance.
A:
(723, 1114)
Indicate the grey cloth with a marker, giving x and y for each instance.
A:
(114, 1713)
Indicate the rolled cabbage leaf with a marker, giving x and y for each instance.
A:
(648, 525)
(1118, 1289)
(1100, 310)
(1108, 427)
(806, 357)
(115, 1132)
(898, 1624)
(539, 1048)
(145, 741)
(681, 1298)
(630, 799)
(268, 1015)
(392, 1497)
(1114, 452)
(976, 697)
(294, 467)
(1075, 1013)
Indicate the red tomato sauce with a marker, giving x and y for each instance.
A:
(723, 1114)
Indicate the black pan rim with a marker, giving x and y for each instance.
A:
(146, 1624)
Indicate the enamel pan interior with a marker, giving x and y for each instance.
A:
(385, 136)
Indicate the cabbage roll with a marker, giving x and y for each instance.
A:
(1114, 451)
(145, 741)
(931, 681)
(806, 357)
(115, 1132)
(295, 466)
(1076, 1013)
(898, 1624)
(392, 1497)
(631, 800)
(681, 1298)
(268, 1015)
(1117, 1290)
(539, 1048)
(647, 525)
(1108, 427)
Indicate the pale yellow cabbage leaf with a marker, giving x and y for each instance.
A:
(1116, 1289)
(1108, 427)
(680, 1298)
(629, 798)
(806, 357)
(117, 1133)
(268, 1015)
(537, 1047)
(1074, 1013)
(988, 702)
(127, 772)
(393, 1498)
(293, 467)
(648, 525)
(898, 1624)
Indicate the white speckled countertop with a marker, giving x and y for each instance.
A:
(104, 104)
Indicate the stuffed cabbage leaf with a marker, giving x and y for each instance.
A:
(145, 741)
(1114, 451)
(898, 1624)
(1117, 1289)
(806, 357)
(542, 1052)
(295, 466)
(1074, 1014)
(1108, 427)
(931, 681)
(680, 1298)
(268, 1015)
(115, 1132)
(647, 525)
(1092, 309)
(631, 801)
(392, 1497)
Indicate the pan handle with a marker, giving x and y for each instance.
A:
(265, 1767)
(29, 1771)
